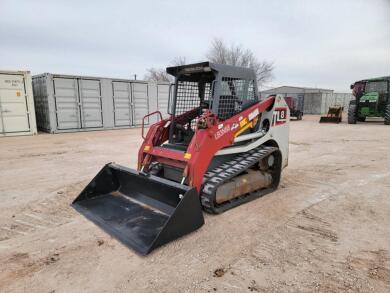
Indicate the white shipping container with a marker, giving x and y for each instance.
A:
(17, 114)
(162, 98)
(67, 103)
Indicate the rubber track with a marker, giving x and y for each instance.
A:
(221, 174)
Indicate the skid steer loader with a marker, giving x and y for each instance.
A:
(335, 115)
(220, 147)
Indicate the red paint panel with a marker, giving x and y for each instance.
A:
(204, 144)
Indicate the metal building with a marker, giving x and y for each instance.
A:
(339, 99)
(17, 115)
(80, 103)
(315, 100)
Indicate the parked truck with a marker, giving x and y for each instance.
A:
(372, 99)
(296, 108)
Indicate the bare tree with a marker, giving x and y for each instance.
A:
(159, 74)
(179, 60)
(236, 55)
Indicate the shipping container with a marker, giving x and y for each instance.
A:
(162, 98)
(312, 100)
(80, 103)
(17, 114)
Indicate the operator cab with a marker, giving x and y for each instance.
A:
(363, 89)
(223, 89)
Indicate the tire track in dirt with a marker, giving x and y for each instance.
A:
(302, 253)
(315, 225)
(52, 211)
(376, 264)
(22, 265)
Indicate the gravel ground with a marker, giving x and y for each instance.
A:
(326, 229)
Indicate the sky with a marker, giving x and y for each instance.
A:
(314, 43)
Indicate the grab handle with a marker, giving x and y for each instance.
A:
(147, 115)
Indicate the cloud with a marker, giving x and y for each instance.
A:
(313, 43)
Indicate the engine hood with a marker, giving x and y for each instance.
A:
(371, 97)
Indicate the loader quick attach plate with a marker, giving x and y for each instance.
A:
(143, 212)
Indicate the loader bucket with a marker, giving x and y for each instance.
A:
(143, 212)
(335, 114)
(325, 119)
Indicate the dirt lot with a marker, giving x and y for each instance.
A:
(326, 229)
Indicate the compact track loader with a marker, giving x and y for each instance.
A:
(335, 115)
(220, 147)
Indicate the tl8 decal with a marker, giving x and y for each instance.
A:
(279, 116)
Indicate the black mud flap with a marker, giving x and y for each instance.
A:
(143, 212)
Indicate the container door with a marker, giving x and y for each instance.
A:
(91, 103)
(1, 119)
(13, 104)
(162, 99)
(67, 103)
(300, 102)
(123, 110)
(140, 101)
